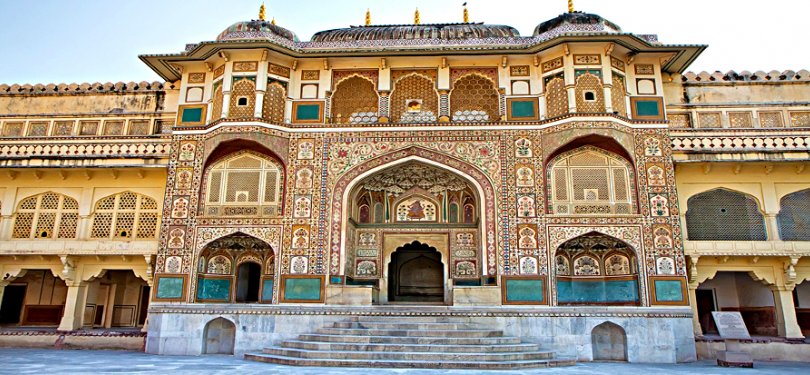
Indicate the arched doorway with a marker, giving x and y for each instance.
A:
(219, 336)
(416, 274)
(596, 269)
(248, 282)
(609, 342)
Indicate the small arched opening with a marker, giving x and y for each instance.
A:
(248, 282)
(416, 274)
(219, 336)
(609, 342)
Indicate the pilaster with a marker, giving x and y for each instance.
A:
(786, 322)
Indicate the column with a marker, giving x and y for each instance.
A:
(261, 88)
(786, 322)
(771, 226)
(3, 285)
(693, 305)
(73, 316)
(607, 83)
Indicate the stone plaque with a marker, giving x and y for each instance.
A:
(730, 324)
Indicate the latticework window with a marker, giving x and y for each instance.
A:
(794, 217)
(617, 95)
(722, 215)
(590, 96)
(245, 184)
(414, 99)
(740, 120)
(275, 98)
(771, 120)
(139, 127)
(710, 120)
(219, 97)
(556, 96)
(591, 181)
(62, 128)
(48, 215)
(243, 98)
(125, 215)
(474, 98)
(355, 101)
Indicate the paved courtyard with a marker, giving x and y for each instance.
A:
(39, 361)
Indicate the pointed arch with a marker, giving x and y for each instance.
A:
(475, 98)
(414, 87)
(723, 214)
(125, 215)
(355, 101)
(46, 215)
(794, 216)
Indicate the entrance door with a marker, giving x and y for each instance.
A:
(416, 274)
(247, 283)
(705, 306)
(12, 304)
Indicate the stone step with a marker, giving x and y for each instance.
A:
(407, 326)
(411, 333)
(360, 363)
(408, 356)
(451, 348)
(420, 340)
(412, 319)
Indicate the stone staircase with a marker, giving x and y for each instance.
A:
(410, 342)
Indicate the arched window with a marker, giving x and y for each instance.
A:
(244, 184)
(589, 180)
(618, 94)
(48, 215)
(216, 107)
(243, 98)
(590, 96)
(125, 215)
(794, 217)
(414, 99)
(723, 215)
(556, 96)
(275, 99)
(355, 101)
(474, 99)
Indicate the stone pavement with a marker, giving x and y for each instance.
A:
(46, 361)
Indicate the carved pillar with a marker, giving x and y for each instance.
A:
(73, 315)
(384, 104)
(572, 98)
(444, 106)
(772, 226)
(786, 322)
(693, 285)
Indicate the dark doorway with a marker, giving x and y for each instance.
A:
(12, 304)
(248, 279)
(144, 306)
(416, 274)
(705, 306)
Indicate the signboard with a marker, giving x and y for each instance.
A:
(730, 324)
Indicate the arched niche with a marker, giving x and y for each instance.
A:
(236, 268)
(609, 342)
(219, 337)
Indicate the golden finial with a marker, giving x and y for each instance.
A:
(570, 6)
(368, 17)
(273, 21)
(261, 12)
(466, 14)
(416, 19)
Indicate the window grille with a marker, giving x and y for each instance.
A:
(355, 100)
(588, 83)
(414, 87)
(618, 94)
(794, 217)
(474, 98)
(722, 215)
(216, 107)
(556, 96)
(275, 99)
(591, 181)
(125, 215)
(48, 215)
(247, 183)
(244, 88)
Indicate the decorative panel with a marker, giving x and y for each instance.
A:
(521, 109)
(307, 112)
(668, 290)
(302, 288)
(243, 98)
(647, 107)
(523, 290)
(170, 287)
(740, 120)
(601, 291)
(191, 114)
(213, 288)
(771, 120)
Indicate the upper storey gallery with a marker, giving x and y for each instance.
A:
(469, 72)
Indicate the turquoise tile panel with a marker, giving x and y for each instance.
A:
(524, 290)
(170, 287)
(214, 289)
(523, 109)
(308, 112)
(669, 291)
(582, 291)
(192, 115)
(304, 289)
(647, 108)
(267, 290)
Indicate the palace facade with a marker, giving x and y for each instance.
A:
(573, 187)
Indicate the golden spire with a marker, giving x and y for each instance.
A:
(416, 19)
(273, 21)
(570, 6)
(261, 12)
(368, 17)
(466, 14)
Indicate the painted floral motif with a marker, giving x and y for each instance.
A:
(525, 177)
(300, 238)
(174, 264)
(184, 177)
(563, 268)
(617, 265)
(586, 266)
(367, 239)
(366, 268)
(180, 208)
(465, 239)
(528, 266)
(523, 148)
(525, 206)
(299, 265)
(655, 176)
(665, 266)
(177, 238)
(527, 238)
(306, 149)
(219, 265)
(303, 178)
(465, 268)
(652, 147)
(187, 151)
(416, 209)
(663, 238)
(303, 206)
(658, 205)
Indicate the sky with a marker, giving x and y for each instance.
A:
(56, 41)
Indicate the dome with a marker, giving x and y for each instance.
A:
(426, 31)
(255, 29)
(576, 22)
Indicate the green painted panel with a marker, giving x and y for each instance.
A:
(304, 289)
(597, 291)
(170, 287)
(267, 290)
(214, 289)
(524, 290)
(669, 291)
(647, 108)
(308, 112)
(523, 109)
(192, 115)
(335, 280)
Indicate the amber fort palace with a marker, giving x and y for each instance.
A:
(380, 194)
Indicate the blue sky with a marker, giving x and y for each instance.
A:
(44, 41)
